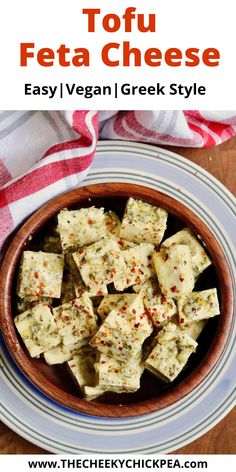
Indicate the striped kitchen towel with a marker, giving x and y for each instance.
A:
(43, 154)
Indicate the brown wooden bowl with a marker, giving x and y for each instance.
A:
(55, 381)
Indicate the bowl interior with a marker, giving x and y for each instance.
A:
(150, 387)
(55, 381)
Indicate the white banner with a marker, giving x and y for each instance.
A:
(125, 463)
(161, 54)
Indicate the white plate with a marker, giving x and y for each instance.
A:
(47, 424)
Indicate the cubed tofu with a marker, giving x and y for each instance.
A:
(40, 274)
(82, 227)
(73, 281)
(124, 302)
(113, 223)
(26, 303)
(193, 329)
(81, 366)
(114, 376)
(76, 321)
(198, 306)
(121, 335)
(37, 329)
(100, 264)
(91, 393)
(200, 259)
(52, 244)
(61, 353)
(161, 309)
(143, 223)
(174, 270)
(171, 353)
(139, 266)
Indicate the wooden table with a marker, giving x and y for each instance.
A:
(220, 161)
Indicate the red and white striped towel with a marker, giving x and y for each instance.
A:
(43, 154)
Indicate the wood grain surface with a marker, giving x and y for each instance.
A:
(220, 161)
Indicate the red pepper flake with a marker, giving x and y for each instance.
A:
(132, 270)
(149, 266)
(181, 278)
(90, 222)
(103, 362)
(166, 257)
(174, 288)
(136, 325)
(181, 320)
(149, 258)
(66, 318)
(134, 311)
(36, 275)
(41, 288)
(120, 348)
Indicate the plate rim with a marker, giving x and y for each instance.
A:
(156, 148)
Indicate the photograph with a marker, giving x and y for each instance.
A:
(117, 282)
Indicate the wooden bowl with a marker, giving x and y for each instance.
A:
(54, 381)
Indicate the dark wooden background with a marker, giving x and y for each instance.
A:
(220, 161)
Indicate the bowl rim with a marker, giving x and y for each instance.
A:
(106, 190)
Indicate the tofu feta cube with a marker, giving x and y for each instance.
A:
(200, 259)
(82, 227)
(91, 393)
(174, 270)
(113, 223)
(122, 334)
(139, 266)
(26, 303)
(81, 366)
(37, 329)
(125, 302)
(100, 264)
(40, 274)
(198, 306)
(76, 321)
(194, 329)
(60, 353)
(171, 353)
(160, 308)
(143, 223)
(113, 376)
(73, 281)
